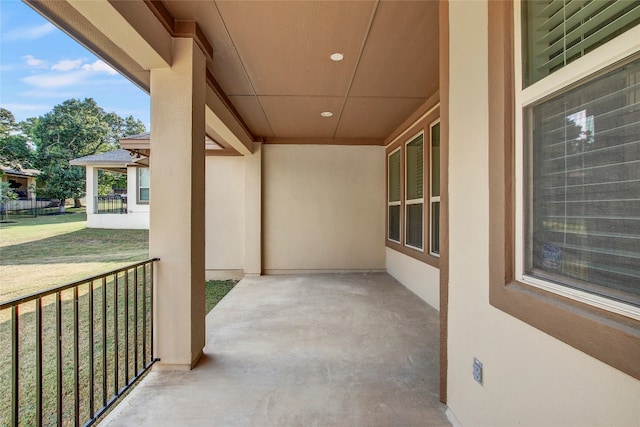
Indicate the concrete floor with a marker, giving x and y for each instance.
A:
(316, 350)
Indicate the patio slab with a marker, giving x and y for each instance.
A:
(314, 350)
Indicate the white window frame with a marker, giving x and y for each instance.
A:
(138, 187)
(407, 201)
(608, 54)
(397, 203)
(432, 199)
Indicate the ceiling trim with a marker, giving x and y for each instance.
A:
(431, 104)
(191, 29)
(325, 141)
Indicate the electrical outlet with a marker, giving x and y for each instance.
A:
(477, 371)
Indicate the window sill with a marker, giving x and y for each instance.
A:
(417, 254)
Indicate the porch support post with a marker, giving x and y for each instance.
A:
(177, 204)
(92, 189)
(253, 212)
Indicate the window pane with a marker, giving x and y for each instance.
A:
(556, 33)
(394, 177)
(435, 227)
(394, 223)
(584, 230)
(144, 194)
(415, 169)
(435, 160)
(143, 180)
(414, 225)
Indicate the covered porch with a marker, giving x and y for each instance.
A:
(324, 349)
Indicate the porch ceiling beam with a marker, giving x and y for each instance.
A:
(131, 28)
(219, 131)
(221, 114)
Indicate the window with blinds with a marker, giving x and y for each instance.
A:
(583, 202)
(435, 189)
(414, 204)
(393, 197)
(557, 32)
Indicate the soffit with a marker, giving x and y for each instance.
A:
(271, 59)
(271, 62)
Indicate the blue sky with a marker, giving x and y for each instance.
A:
(40, 66)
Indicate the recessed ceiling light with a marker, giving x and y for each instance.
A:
(336, 57)
(326, 114)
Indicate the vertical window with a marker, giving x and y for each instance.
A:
(434, 196)
(393, 198)
(414, 187)
(143, 185)
(579, 202)
(584, 203)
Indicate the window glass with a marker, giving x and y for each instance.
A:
(557, 32)
(583, 229)
(435, 189)
(415, 168)
(394, 208)
(143, 184)
(414, 192)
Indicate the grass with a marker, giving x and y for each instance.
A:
(215, 290)
(37, 253)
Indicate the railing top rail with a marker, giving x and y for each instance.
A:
(63, 287)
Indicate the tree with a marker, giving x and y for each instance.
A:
(70, 130)
(14, 147)
(6, 195)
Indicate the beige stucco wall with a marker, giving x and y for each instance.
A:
(323, 208)
(530, 378)
(421, 278)
(225, 219)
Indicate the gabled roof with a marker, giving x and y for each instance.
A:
(20, 172)
(118, 157)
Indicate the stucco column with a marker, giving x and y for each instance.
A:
(253, 212)
(177, 205)
(92, 189)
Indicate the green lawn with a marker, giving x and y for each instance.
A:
(38, 253)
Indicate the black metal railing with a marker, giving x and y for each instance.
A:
(28, 208)
(116, 204)
(76, 348)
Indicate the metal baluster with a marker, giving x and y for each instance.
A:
(15, 366)
(115, 335)
(76, 358)
(91, 353)
(126, 327)
(144, 315)
(39, 361)
(104, 342)
(59, 356)
(135, 321)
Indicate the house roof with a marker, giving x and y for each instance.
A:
(269, 72)
(118, 157)
(19, 172)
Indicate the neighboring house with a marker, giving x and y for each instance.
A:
(128, 210)
(484, 153)
(22, 181)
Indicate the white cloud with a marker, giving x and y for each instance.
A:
(34, 62)
(26, 107)
(49, 81)
(99, 66)
(67, 65)
(30, 33)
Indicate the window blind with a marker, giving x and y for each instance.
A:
(584, 225)
(393, 203)
(556, 32)
(415, 168)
